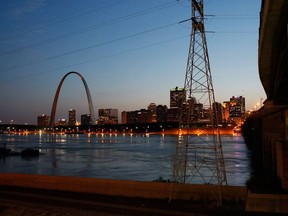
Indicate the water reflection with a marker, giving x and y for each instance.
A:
(143, 157)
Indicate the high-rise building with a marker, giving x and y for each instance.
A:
(129, 117)
(225, 111)
(161, 113)
(43, 120)
(173, 115)
(153, 109)
(237, 109)
(218, 107)
(108, 116)
(177, 96)
(145, 116)
(72, 117)
(86, 120)
(138, 117)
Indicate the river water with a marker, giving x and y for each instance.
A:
(114, 156)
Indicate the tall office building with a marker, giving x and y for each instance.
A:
(129, 117)
(237, 109)
(177, 95)
(219, 111)
(161, 113)
(72, 117)
(225, 111)
(108, 116)
(86, 120)
(43, 120)
(153, 109)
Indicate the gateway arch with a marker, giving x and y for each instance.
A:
(90, 104)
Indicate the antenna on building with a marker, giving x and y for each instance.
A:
(198, 158)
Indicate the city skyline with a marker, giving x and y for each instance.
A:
(130, 53)
(111, 115)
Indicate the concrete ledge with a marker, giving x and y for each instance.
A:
(125, 188)
(274, 203)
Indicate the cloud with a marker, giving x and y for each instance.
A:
(25, 7)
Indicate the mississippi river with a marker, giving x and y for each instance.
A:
(115, 156)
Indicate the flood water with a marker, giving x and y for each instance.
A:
(114, 156)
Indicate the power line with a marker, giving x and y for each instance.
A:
(62, 20)
(93, 27)
(95, 59)
(89, 47)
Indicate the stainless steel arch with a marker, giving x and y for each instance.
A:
(90, 104)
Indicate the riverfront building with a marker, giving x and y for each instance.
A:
(107, 116)
(219, 112)
(237, 109)
(43, 120)
(72, 117)
(177, 96)
(161, 113)
(86, 120)
(225, 111)
(232, 111)
(62, 122)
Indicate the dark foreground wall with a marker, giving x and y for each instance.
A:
(275, 203)
(151, 190)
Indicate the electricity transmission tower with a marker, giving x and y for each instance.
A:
(198, 158)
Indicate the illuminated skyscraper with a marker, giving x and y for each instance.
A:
(237, 109)
(177, 96)
(225, 111)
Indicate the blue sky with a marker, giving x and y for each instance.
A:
(130, 52)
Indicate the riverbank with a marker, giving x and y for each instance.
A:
(114, 197)
(169, 128)
(125, 188)
(132, 197)
(197, 131)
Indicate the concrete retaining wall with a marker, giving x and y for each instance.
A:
(276, 203)
(151, 190)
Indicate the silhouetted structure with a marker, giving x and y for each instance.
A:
(90, 103)
(266, 132)
(72, 117)
(43, 120)
(198, 159)
(86, 120)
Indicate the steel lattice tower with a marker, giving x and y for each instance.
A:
(198, 158)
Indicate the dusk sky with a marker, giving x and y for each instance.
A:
(130, 52)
